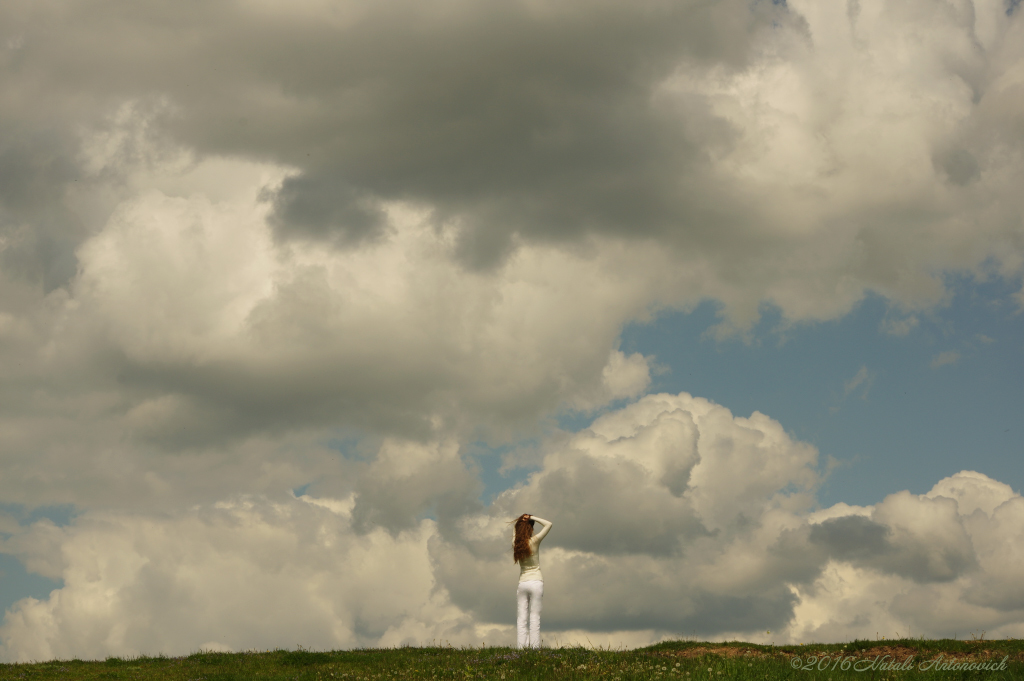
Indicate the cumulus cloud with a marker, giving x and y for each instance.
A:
(357, 220)
(237, 575)
(216, 312)
(660, 511)
(921, 539)
(804, 156)
(939, 559)
(189, 330)
(671, 515)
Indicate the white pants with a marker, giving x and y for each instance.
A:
(529, 595)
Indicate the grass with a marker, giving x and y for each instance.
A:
(688, 660)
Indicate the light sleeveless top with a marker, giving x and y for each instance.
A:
(529, 567)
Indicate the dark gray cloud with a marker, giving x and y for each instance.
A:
(864, 542)
(959, 165)
(851, 538)
(39, 231)
(506, 117)
(521, 121)
(318, 208)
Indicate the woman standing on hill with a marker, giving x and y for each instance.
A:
(526, 552)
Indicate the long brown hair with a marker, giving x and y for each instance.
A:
(521, 543)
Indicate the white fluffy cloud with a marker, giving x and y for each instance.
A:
(190, 331)
(238, 575)
(945, 568)
(671, 516)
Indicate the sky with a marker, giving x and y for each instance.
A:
(301, 303)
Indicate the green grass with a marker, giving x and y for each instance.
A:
(689, 660)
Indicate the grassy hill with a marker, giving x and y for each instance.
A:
(885, 660)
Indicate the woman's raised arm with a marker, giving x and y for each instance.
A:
(546, 525)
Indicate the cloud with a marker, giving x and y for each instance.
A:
(407, 479)
(354, 224)
(189, 330)
(933, 566)
(899, 327)
(864, 378)
(293, 336)
(799, 157)
(973, 491)
(670, 515)
(246, 573)
(944, 358)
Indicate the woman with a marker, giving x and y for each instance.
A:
(526, 552)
